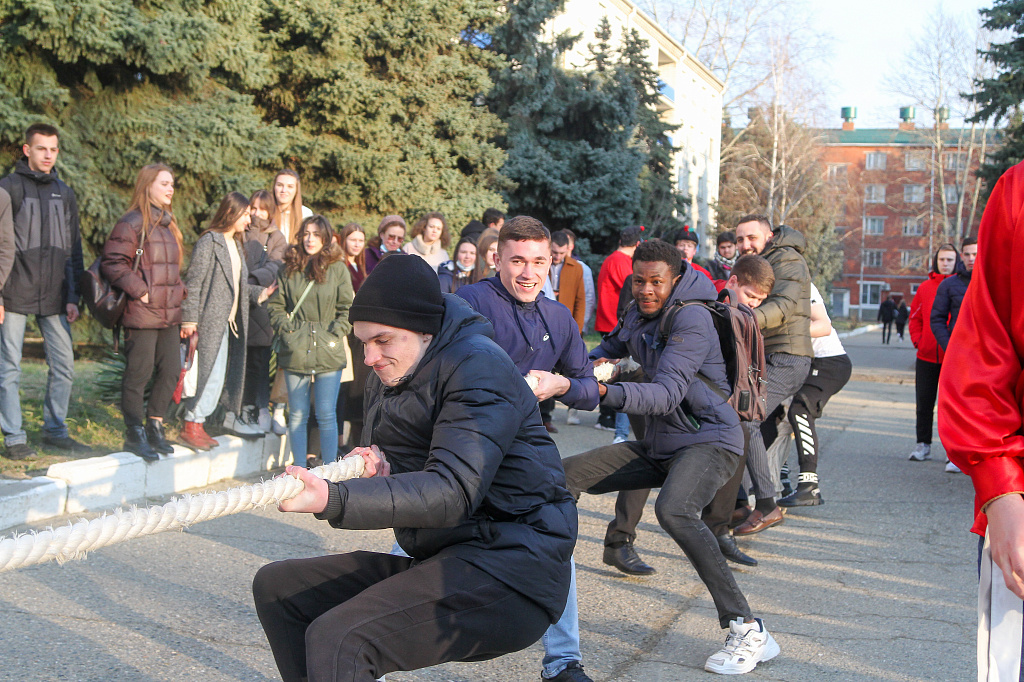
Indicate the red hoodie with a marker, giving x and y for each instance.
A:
(981, 388)
(920, 319)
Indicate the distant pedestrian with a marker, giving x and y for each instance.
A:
(687, 242)
(460, 270)
(929, 352)
(589, 289)
(902, 315)
(43, 281)
(389, 239)
(887, 315)
(289, 211)
(430, 239)
(725, 256)
(152, 316)
(951, 293)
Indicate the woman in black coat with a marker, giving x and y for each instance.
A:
(463, 470)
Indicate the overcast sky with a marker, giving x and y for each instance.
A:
(868, 37)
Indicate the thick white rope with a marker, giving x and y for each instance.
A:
(75, 540)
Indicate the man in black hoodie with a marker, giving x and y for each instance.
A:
(463, 470)
(43, 282)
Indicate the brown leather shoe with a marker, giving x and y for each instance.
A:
(758, 522)
(194, 435)
(550, 427)
(739, 515)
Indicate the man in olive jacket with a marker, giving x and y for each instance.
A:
(463, 470)
(785, 321)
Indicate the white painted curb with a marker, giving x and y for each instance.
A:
(861, 330)
(120, 478)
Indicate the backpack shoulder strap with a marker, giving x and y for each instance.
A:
(668, 317)
(16, 190)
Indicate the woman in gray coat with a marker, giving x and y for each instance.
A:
(217, 309)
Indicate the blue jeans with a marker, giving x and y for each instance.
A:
(210, 396)
(562, 640)
(60, 357)
(622, 425)
(325, 398)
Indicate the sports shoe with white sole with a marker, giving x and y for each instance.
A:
(922, 452)
(573, 418)
(952, 468)
(746, 645)
(238, 426)
(278, 424)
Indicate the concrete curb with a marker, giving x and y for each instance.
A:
(860, 330)
(120, 478)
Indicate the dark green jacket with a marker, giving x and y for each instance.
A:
(785, 316)
(311, 343)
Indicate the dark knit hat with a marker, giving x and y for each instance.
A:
(686, 235)
(402, 291)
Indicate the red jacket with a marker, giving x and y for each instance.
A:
(920, 319)
(981, 388)
(614, 271)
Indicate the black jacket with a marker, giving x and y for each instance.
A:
(48, 243)
(887, 310)
(474, 473)
(946, 306)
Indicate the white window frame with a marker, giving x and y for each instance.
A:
(915, 161)
(911, 192)
(954, 161)
(874, 225)
(875, 160)
(913, 288)
(874, 194)
(913, 227)
(837, 173)
(952, 193)
(912, 259)
(868, 255)
(869, 286)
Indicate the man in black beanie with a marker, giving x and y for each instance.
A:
(459, 464)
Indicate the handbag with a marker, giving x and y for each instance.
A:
(106, 303)
(276, 345)
(189, 376)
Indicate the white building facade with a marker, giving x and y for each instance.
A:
(691, 98)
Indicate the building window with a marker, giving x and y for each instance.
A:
(875, 161)
(916, 161)
(913, 194)
(837, 173)
(913, 288)
(871, 293)
(952, 193)
(913, 227)
(954, 161)
(874, 194)
(872, 257)
(912, 260)
(874, 225)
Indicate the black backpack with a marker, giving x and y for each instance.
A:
(742, 348)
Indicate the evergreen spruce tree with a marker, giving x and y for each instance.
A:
(571, 142)
(663, 207)
(1002, 95)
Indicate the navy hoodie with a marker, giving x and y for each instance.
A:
(678, 408)
(539, 335)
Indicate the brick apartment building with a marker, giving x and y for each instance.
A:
(887, 181)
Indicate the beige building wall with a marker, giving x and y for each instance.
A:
(691, 98)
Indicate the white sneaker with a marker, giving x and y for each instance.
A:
(573, 418)
(746, 645)
(601, 427)
(278, 424)
(619, 439)
(264, 422)
(952, 468)
(237, 426)
(922, 452)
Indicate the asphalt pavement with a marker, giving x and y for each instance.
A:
(877, 584)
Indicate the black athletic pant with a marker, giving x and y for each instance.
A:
(899, 329)
(358, 616)
(144, 351)
(887, 331)
(926, 384)
(547, 407)
(827, 377)
(257, 377)
(688, 480)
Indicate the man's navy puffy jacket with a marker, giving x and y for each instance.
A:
(946, 307)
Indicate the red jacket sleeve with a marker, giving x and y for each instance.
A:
(981, 388)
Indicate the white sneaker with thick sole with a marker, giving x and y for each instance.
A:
(952, 468)
(278, 425)
(237, 426)
(746, 645)
(264, 420)
(922, 452)
(573, 418)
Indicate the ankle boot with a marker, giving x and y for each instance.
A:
(195, 436)
(136, 443)
(155, 436)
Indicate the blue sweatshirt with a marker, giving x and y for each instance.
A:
(539, 335)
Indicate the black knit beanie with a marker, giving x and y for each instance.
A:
(402, 291)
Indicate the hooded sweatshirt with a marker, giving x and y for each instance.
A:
(48, 243)
(678, 408)
(946, 306)
(474, 473)
(920, 328)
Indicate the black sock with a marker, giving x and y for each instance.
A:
(765, 505)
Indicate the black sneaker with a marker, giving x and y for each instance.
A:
(572, 673)
(806, 495)
(20, 451)
(66, 443)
